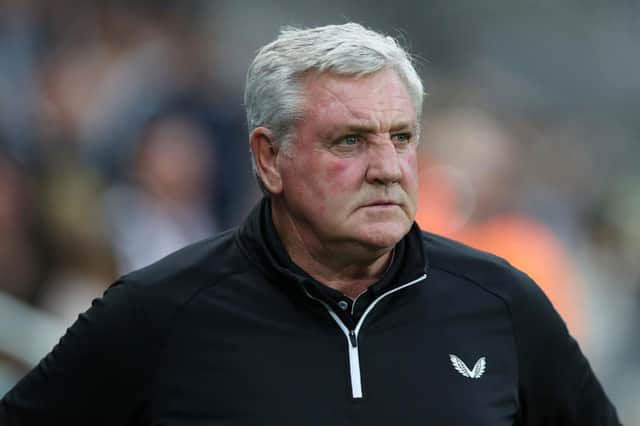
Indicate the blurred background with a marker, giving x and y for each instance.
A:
(123, 138)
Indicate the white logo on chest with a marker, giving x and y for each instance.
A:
(461, 367)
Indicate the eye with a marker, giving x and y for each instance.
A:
(401, 138)
(347, 145)
(350, 140)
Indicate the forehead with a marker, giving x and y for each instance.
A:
(380, 99)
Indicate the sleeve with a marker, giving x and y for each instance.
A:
(557, 384)
(95, 375)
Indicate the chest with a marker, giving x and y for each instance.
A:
(415, 365)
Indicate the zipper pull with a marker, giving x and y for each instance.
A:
(353, 339)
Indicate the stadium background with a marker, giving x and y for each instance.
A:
(122, 137)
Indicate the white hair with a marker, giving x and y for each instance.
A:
(274, 94)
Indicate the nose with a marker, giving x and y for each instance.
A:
(384, 164)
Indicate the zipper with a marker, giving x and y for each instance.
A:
(352, 335)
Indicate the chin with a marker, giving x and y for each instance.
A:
(384, 236)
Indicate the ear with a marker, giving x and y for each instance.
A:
(265, 153)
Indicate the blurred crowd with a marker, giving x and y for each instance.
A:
(123, 138)
(116, 148)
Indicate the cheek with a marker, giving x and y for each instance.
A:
(339, 176)
(336, 186)
(410, 170)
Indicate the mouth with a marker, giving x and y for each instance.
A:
(381, 203)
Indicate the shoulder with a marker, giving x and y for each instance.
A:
(522, 296)
(155, 293)
(484, 269)
(542, 340)
(145, 302)
(189, 269)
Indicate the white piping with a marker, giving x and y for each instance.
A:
(352, 336)
(371, 306)
(354, 356)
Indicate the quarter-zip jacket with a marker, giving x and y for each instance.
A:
(230, 332)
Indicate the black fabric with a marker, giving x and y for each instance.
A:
(225, 332)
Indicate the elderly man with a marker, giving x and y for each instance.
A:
(328, 306)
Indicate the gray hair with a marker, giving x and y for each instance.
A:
(273, 92)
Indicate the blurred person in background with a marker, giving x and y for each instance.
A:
(328, 293)
(471, 183)
(165, 203)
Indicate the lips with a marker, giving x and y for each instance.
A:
(381, 203)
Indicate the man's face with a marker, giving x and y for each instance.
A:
(351, 175)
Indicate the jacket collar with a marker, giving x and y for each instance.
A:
(258, 239)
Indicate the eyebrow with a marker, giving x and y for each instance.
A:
(363, 128)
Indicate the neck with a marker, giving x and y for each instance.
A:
(346, 267)
(352, 280)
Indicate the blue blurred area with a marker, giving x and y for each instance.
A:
(123, 137)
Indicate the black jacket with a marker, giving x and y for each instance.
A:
(230, 332)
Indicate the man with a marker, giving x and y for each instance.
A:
(328, 306)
